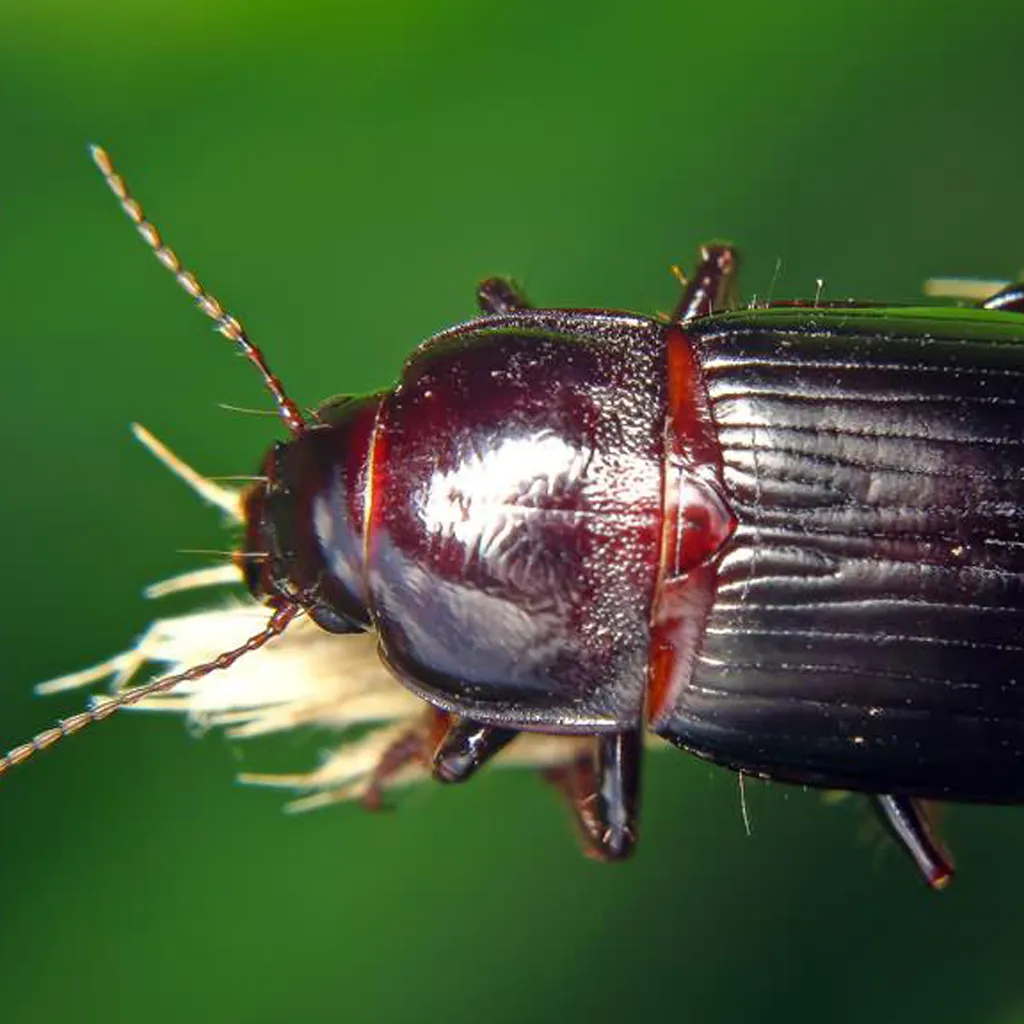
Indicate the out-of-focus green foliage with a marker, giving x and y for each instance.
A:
(341, 175)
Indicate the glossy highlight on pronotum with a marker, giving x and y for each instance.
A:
(787, 538)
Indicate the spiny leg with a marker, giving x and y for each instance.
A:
(906, 821)
(500, 295)
(467, 746)
(603, 793)
(711, 288)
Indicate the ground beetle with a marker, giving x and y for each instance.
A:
(787, 538)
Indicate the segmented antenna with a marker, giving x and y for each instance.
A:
(283, 613)
(225, 322)
(106, 707)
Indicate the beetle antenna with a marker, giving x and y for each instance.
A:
(224, 321)
(105, 707)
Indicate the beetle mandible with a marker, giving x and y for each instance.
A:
(786, 538)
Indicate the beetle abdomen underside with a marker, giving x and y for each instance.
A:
(868, 625)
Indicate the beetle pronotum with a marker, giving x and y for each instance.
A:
(785, 538)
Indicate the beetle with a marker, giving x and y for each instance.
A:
(786, 538)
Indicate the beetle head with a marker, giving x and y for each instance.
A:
(305, 518)
(280, 573)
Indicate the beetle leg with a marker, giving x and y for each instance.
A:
(466, 746)
(907, 822)
(500, 295)
(414, 746)
(1010, 299)
(712, 287)
(603, 794)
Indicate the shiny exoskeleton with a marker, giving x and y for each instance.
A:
(786, 538)
(789, 539)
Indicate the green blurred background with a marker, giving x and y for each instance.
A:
(341, 175)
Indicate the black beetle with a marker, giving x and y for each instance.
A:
(786, 538)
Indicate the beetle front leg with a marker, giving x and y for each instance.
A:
(712, 287)
(907, 822)
(500, 295)
(453, 748)
(603, 793)
(467, 746)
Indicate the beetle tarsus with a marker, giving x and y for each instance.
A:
(712, 287)
(467, 746)
(500, 295)
(907, 822)
(603, 794)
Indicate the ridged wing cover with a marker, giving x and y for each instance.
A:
(868, 626)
